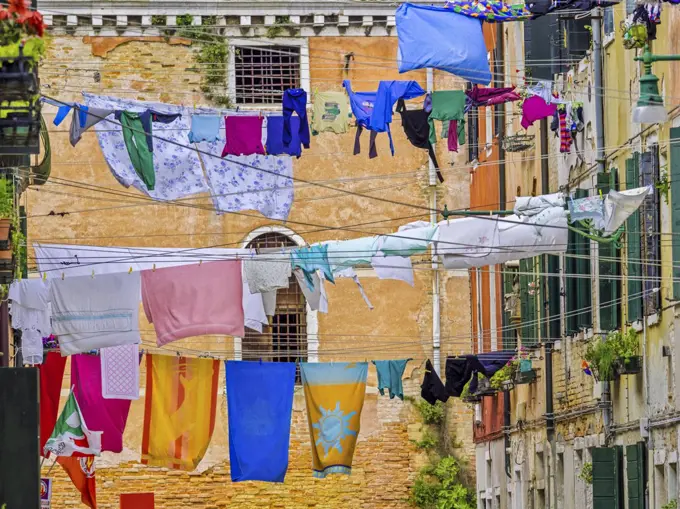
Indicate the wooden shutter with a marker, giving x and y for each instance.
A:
(607, 467)
(674, 176)
(583, 283)
(636, 474)
(509, 331)
(571, 284)
(610, 269)
(633, 245)
(529, 330)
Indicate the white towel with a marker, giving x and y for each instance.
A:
(95, 312)
(120, 372)
(31, 314)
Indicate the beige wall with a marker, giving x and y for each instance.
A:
(400, 325)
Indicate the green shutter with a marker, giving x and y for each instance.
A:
(636, 474)
(609, 285)
(571, 284)
(554, 327)
(509, 334)
(607, 469)
(675, 207)
(633, 245)
(528, 302)
(583, 283)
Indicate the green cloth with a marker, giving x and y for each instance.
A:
(447, 105)
(138, 148)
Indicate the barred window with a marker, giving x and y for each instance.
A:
(263, 72)
(285, 338)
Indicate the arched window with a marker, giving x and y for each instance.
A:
(285, 338)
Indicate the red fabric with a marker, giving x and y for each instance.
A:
(81, 472)
(137, 501)
(51, 375)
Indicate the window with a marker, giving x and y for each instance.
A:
(488, 125)
(511, 308)
(262, 73)
(649, 227)
(608, 20)
(578, 283)
(285, 338)
(660, 494)
(559, 481)
(609, 266)
(672, 481)
(528, 294)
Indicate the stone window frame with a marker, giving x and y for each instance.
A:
(305, 82)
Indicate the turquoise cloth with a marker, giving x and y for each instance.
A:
(407, 242)
(348, 253)
(205, 128)
(389, 377)
(309, 260)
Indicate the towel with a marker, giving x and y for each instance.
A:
(194, 300)
(205, 128)
(181, 400)
(260, 404)
(334, 394)
(31, 314)
(106, 415)
(89, 313)
(389, 377)
(120, 372)
(51, 375)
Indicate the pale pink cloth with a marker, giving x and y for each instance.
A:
(194, 300)
(120, 372)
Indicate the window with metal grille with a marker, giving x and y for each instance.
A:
(285, 338)
(262, 73)
(649, 227)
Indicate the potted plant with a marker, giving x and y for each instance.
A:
(526, 373)
(602, 357)
(628, 352)
(502, 380)
(467, 397)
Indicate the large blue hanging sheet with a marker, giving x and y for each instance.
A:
(439, 38)
(260, 404)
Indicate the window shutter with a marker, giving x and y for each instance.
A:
(633, 245)
(636, 474)
(609, 285)
(583, 283)
(571, 284)
(509, 331)
(674, 176)
(607, 478)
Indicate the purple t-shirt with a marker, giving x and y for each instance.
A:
(244, 136)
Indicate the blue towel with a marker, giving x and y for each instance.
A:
(260, 404)
(389, 377)
(205, 128)
(275, 145)
(440, 38)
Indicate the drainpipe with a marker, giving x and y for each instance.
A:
(436, 323)
(596, 23)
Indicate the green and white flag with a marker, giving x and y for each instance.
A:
(71, 436)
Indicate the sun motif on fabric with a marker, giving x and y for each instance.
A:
(333, 427)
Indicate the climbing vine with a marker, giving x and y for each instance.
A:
(212, 56)
(663, 184)
(278, 27)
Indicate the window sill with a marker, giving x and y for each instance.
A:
(608, 39)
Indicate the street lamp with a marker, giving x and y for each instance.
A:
(650, 109)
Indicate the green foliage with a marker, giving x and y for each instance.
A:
(6, 199)
(673, 504)
(626, 345)
(19, 251)
(33, 48)
(663, 184)
(431, 414)
(428, 441)
(441, 486)
(278, 27)
(586, 474)
(506, 373)
(602, 357)
(158, 20)
(184, 20)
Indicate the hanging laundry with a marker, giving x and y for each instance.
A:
(373, 110)
(565, 132)
(275, 145)
(81, 471)
(180, 406)
(389, 377)
(542, 89)
(205, 128)
(267, 273)
(348, 253)
(334, 394)
(91, 313)
(194, 300)
(260, 406)
(71, 436)
(176, 164)
(85, 117)
(468, 237)
(542, 7)
(532, 205)
(348, 272)
(29, 307)
(453, 135)
(256, 182)
(459, 370)
(330, 113)
(618, 206)
(650, 15)
(424, 34)
(244, 136)
(490, 10)
(106, 415)
(591, 207)
(310, 259)
(417, 129)
(409, 240)
(447, 105)
(316, 295)
(140, 154)
(432, 389)
(120, 372)
(393, 267)
(51, 376)
(535, 108)
(295, 101)
(481, 97)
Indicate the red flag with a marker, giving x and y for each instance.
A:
(51, 375)
(81, 472)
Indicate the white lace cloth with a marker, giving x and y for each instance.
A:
(30, 310)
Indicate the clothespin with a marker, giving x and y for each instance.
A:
(260, 114)
(130, 271)
(62, 276)
(200, 262)
(153, 268)
(44, 278)
(92, 273)
(600, 190)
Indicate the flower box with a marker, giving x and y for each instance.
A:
(630, 366)
(18, 72)
(525, 377)
(20, 127)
